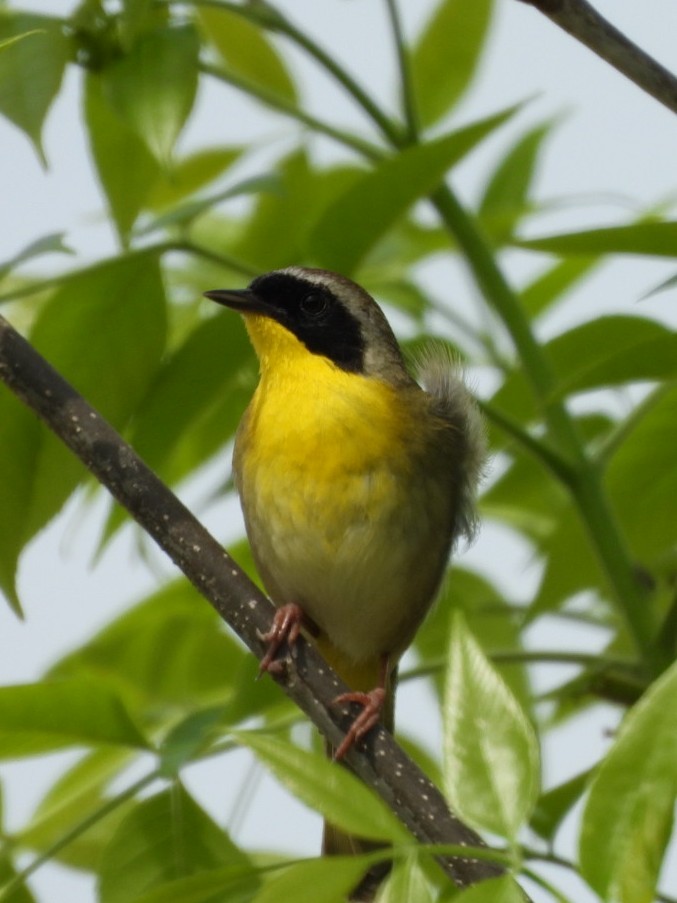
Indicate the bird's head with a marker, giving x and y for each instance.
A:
(298, 311)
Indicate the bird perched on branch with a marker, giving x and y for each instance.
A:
(355, 482)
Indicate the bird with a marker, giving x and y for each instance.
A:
(355, 479)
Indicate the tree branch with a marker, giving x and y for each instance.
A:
(307, 680)
(584, 23)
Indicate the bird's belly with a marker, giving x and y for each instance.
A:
(359, 540)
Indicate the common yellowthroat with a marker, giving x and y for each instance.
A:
(355, 482)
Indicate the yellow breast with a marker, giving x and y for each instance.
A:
(343, 488)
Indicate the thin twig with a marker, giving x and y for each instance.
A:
(584, 23)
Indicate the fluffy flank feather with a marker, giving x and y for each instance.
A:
(440, 373)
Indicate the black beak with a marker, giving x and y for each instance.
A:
(243, 300)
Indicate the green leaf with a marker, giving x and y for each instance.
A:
(104, 316)
(230, 884)
(247, 51)
(153, 87)
(406, 883)
(183, 214)
(355, 222)
(405, 244)
(447, 54)
(190, 174)
(506, 195)
(628, 816)
(626, 349)
(48, 244)
(31, 70)
(496, 890)
(651, 238)
(509, 184)
(489, 616)
(165, 837)
(38, 718)
(335, 875)
(195, 404)
(610, 351)
(326, 787)
(525, 498)
(99, 319)
(111, 140)
(204, 370)
(19, 449)
(76, 795)
(200, 663)
(553, 806)
(491, 760)
(404, 295)
(275, 234)
(189, 737)
(606, 351)
(560, 581)
(137, 16)
(553, 284)
(642, 479)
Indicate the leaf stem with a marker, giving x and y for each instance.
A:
(406, 81)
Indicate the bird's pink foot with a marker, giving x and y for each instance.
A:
(372, 705)
(285, 628)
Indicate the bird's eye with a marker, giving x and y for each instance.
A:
(314, 304)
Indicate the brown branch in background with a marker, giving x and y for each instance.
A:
(585, 24)
(307, 680)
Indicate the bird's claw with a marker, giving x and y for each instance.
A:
(285, 628)
(372, 706)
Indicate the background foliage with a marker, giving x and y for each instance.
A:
(582, 427)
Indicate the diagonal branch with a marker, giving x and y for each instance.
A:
(584, 23)
(307, 680)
